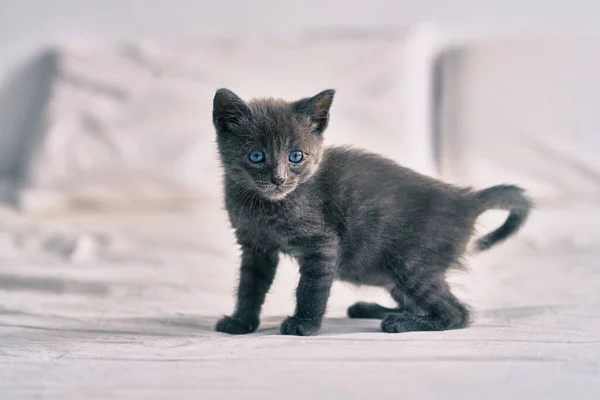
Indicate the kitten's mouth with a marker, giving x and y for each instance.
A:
(278, 192)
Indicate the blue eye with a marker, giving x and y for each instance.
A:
(256, 156)
(296, 156)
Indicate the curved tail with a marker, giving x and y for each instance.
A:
(502, 197)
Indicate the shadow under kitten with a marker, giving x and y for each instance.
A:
(342, 214)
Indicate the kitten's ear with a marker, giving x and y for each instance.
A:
(316, 108)
(228, 108)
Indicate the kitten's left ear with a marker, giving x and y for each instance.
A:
(316, 108)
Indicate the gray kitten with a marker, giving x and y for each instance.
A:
(342, 214)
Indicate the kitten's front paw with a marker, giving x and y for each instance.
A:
(234, 326)
(300, 327)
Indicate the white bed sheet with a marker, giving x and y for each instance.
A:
(123, 307)
(538, 353)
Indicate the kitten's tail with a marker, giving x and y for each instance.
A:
(502, 197)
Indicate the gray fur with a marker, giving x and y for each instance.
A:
(343, 214)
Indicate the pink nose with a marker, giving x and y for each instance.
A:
(278, 181)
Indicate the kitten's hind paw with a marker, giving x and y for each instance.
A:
(400, 322)
(234, 326)
(407, 322)
(300, 327)
(368, 310)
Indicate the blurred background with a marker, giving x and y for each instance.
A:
(111, 216)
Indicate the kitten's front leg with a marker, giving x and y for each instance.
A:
(256, 276)
(317, 272)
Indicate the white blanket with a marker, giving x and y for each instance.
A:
(123, 307)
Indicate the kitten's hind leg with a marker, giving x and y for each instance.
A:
(376, 311)
(433, 296)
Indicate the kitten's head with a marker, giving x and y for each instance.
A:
(270, 146)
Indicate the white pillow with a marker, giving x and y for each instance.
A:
(524, 111)
(130, 123)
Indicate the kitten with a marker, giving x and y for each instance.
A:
(342, 214)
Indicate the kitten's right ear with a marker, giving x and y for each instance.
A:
(228, 108)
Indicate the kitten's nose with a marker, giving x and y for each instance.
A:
(278, 181)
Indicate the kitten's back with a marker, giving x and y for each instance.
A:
(365, 180)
